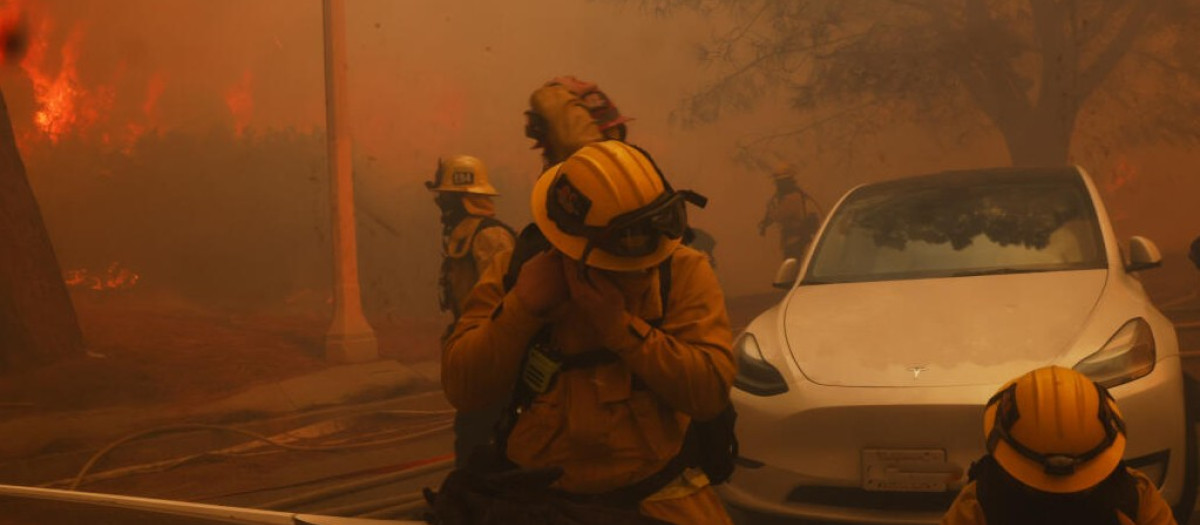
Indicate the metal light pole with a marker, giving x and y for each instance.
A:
(350, 338)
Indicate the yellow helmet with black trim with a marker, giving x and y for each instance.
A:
(1055, 430)
(463, 174)
(609, 206)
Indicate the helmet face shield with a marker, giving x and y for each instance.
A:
(608, 206)
(635, 233)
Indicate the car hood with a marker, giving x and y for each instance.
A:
(937, 332)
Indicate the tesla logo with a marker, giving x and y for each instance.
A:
(916, 371)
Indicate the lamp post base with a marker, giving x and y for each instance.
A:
(351, 347)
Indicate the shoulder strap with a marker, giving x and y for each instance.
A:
(492, 222)
(664, 291)
(457, 240)
(485, 223)
(529, 243)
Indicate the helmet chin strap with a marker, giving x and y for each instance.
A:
(584, 274)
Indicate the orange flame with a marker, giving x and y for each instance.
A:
(57, 95)
(240, 101)
(63, 104)
(115, 277)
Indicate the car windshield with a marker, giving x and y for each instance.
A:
(960, 224)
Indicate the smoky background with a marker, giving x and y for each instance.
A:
(177, 147)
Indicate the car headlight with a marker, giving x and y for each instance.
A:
(1128, 355)
(755, 375)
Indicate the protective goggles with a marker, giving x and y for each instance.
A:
(636, 233)
(1052, 463)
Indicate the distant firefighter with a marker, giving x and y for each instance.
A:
(471, 238)
(790, 209)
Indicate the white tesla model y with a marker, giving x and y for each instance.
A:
(861, 394)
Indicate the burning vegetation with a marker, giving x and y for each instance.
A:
(114, 277)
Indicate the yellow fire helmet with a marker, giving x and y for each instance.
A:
(609, 206)
(462, 173)
(1055, 430)
(783, 170)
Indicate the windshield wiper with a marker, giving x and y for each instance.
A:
(998, 271)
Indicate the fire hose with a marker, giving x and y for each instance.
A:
(79, 478)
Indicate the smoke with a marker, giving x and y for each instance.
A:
(140, 100)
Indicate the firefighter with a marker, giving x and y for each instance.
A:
(617, 334)
(566, 113)
(1054, 445)
(471, 238)
(789, 208)
(558, 117)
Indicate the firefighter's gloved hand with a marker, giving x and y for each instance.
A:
(598, 297)
(540, 286)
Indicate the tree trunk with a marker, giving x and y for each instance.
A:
(37, 320)
(1041, 137)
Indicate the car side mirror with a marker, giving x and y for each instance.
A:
(787, 274)
(1143, 255)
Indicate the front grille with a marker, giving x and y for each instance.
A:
(857, 498)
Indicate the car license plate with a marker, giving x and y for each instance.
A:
(904, 470)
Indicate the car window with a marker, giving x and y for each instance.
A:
(943, 227)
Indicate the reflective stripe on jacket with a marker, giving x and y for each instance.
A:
(1152, 508)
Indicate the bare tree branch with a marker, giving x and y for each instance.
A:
(1192, 72)
(1093, 75)
(1031, 67)
(726, 82)
(812, 125)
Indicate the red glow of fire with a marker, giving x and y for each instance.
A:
(58, 95)
(240, 101)
(1123, 176)
(63, 104)
(115, 277)
(154, 90)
